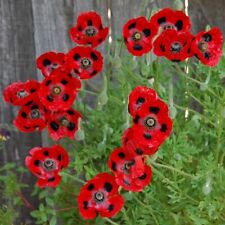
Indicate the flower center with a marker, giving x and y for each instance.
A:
(203, 46)
(150, 122)
(136, 36)
(21, 94)
(90, 31)
(49, 164)
(168, 26)
(85, 63)
(176, 47)
(127, 166)
(99, 197)
(64, 121)
(56, 90)
(35, 114)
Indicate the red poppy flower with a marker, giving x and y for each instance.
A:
(32, 116)
(139, 96)
(61, 124)
(138, 34)
(168, 19)
(136, 184)
(46, 163)
(50, 61)
(131, 143)
(207, 46)
(152, 124)
(58, 91)
(84, 62)
(89, 30)
(129, 169)
(100, 195)
(19, 93)
(175, 46)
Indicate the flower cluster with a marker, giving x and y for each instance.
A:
(151, 126)
(168, 33)
(48, 104)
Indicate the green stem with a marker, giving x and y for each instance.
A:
(126, 217)
(110, 221)
(73, 177)
(89, 92)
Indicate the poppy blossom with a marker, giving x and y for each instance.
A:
(168, 19)
(175, 46)
(100, 196)
(50, 61)
(46, 163)
(152, 124)
(84, 62)
(89, 30)
(58, 91)
(139, 96)
(132, 144)
(207, 46)
(19, 93)
(31, 116)
(128, 169)
(61, 124)
(138, 34)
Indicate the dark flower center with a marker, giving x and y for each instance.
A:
(49, 164)
(90, 31)
(85, 63)
(136, 36)
(21, 94)
(176, 47)
(127, 166)
(56, 90)
(99, 197)
(203, 46)
(64, 121)
(150, 122)
(35, 113)
(168, 26)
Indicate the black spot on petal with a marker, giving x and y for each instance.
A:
(207, 37)
(131, 26)
(64, 82)
(85, 203)
(163, 128)
(46, 62)
(147, 32)
(50, 98)
(137, 47)
(90, 187)
(100, 27)
(161, 20)
(154, 110)
(179, 25)
(147, 136)
(34, 107)
(138, 151)
(79, 28)
(76, 57)
(24, 115)
(108, 187)
(89, 23)
(162, 47)
(37, 162)
(45, 153)
(94, 56)
(94, 72)
(59, 157)
(136, 119)
(140, 100)
(28, 103)
(70, 112)
(121, 155)
(100, 40)
(114, 166)
(65, 97)
(143, 176)
(207, 55)
(54, 126)
(51, 179)
(111, 207)
(32, 90)
(48, 82)
(71, 126)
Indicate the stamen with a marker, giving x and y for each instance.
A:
(136, 36)
(99, 197)
(64, 121)
(49, 164)
(21, 94)
(90, 31)
(35, 113)
(150, 122)
(203, 46)
(85, 63)
(56, 90)
(176, 47)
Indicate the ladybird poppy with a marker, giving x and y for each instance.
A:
(50, 61)
(207, 46)
(168, 19)
(61, 124)
(31, 116)
(58, 91)
(139, 96)
(152, 124)
(175, 46)
(46, 163)
(138, 34)
(132, 144)
(19, 93)
(100, 196)
(89, 30)
(84, 62)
